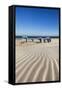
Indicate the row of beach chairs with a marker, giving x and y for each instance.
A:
(47, 39)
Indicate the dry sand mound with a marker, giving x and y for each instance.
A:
(37, 62)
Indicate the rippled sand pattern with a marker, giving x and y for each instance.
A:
(37, 61)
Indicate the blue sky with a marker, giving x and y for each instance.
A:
(35, 21)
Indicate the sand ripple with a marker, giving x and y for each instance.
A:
(38, 62)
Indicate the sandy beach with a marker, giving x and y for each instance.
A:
(37, 61)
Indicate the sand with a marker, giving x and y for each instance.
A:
(37, 62)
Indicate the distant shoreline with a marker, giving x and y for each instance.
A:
(37, 36)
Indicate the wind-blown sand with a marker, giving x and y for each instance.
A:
(37, 61)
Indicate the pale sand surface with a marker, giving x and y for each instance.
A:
(37, 61)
